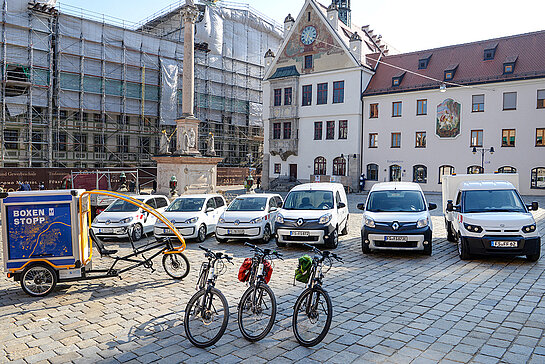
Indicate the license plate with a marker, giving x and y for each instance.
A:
(106, 230)
(235, 231)
(396, 238)
(504, 244)
(299, 233)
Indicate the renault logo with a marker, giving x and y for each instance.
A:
(237, 222)
(395, 225)
(300, 222)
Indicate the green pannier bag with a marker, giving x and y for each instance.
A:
(302, 273)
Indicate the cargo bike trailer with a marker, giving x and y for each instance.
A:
(47, 239)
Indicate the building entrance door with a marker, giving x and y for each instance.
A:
(395, 173)
(293, 172)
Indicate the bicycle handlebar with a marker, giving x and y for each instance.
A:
(265, 252)
(218, 255)
(325, 253)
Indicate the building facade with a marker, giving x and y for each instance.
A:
(312, 107)
(493, 97)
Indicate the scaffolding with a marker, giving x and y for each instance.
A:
(84, 90)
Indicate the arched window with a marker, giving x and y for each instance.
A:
(339, 166)
(445, 170)
(372, 172)
(395, 173)
(475, 170)
(507, 169)
(538, 178)
(420, 174)
(320, 166)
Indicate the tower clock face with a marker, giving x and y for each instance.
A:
(308, 36)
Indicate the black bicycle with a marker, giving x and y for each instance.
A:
(257, 307)
(313, 310)
(207, 312)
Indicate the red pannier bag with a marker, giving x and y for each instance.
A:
(268, 271)
(244, 270)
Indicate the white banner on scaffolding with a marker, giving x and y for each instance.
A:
(169, 88)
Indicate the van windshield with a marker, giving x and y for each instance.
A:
(186, 205)
(122, 206)
(248, 204)
(492, 201)
(309, 200)
(396, 201)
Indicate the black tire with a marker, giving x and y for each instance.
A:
(534, 257)
(450, 235)
(221, 241)
(320, 306)
(427, 249)
(247, 317)
(279, 244)
(463, 251)
(345, 230)
(193, 314)
(38, 280)
(365, 246)
(333, 240)
(266, 234)
(137, 232)
(201, 234)
(176, 265)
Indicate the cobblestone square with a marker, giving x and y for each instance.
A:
(388, 307)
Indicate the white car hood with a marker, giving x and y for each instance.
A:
(491, 220)
(115, 216)
(396, 216)
(178, 217)
(304, 214)
(242, 216)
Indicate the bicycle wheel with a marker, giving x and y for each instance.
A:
(312, 316)
(206, 317)
(176, 265)
(256, 317)
(38, 280)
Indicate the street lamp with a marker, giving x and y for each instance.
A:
(483, 151)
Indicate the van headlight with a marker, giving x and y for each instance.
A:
(257, 220)
(221, 220)
(529, 228)
(369, 222)
(473, 228)
(324, 219)
(192, 220)
(422, 223)
(279, 218)
(126, 220)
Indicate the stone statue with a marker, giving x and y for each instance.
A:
(164, 143)
(210, 149)
(192, 138)
(185, 142)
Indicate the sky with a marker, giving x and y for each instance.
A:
(405, 25)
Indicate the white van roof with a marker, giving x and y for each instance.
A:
(486, 185)
(403, 186)
(322, 186)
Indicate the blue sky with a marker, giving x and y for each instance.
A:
(405, 25)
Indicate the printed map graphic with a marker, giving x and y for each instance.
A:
(39, 231)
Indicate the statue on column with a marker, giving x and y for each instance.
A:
(164, 143)
(210, 148)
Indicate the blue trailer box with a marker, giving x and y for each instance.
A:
(44, 226)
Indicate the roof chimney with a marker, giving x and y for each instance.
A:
(269, 57)
(333, 16)
(356, 46)
(288, 24)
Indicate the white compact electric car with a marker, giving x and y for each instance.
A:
(396, 217)
(249, 217)
(195, 216)
(116, 219)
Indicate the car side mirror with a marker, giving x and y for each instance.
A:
(209, 209)
(361, 206)
(272, 209)
(432, 206)
(534, 206)
(341, 205)
(450, 206)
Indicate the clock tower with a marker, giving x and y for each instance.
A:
(344, 11)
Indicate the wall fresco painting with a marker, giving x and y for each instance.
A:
(448, 119)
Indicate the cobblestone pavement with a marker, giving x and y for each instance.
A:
(388, 307)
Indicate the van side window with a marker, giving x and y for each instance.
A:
(161, 202)
(219, 201)
(211, 203)
(459, 198)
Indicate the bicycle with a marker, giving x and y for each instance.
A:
(314, 302)
(257, 307)
(207, 312)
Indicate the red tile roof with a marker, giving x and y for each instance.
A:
(527, 49)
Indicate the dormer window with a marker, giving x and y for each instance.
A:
(490, 52)
(423, 61)
(450, 72)
(396, 80)
(509, 65)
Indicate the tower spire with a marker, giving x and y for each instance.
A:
(344, 11)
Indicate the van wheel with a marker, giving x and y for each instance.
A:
(333, 240)
(221, 241)
(462, 249)
(427, 249)
(280, 245)
(365, 247)
(345, 230)
(534, 257)
(450, 235)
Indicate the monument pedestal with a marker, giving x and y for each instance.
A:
(195, 174)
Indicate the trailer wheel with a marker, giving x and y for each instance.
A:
(38, 280)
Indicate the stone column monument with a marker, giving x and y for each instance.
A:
(195, 173)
